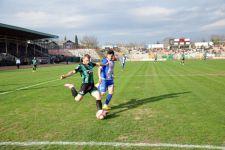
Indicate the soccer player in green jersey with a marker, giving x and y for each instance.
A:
(34, 62)
(182, 58)
(86, 71)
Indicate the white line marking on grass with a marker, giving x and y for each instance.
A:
(115, 144)
(183, 75)
(175, 75)
(26, 87)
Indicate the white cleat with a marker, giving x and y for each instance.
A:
(69, 86)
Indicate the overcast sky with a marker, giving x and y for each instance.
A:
(142, 21)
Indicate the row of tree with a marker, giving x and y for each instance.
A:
(92, 41)
(86, 42)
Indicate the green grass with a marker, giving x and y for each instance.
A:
(162, 102)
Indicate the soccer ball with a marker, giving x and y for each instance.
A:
(101, 114)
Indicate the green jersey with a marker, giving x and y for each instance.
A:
(34, 61)
(86, 72)
(182, 56)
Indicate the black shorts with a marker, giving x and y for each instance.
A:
(87, 87)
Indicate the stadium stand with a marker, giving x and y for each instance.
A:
(17, 42)
(76, 53)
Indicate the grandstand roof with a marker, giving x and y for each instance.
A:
(22, 33)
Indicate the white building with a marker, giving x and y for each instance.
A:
(180, 43)
(203, 44)
(109, 46)
(155, 46)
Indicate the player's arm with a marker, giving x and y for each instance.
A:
(77, 69)
(68, 74)
(99, 74)
(99, 64)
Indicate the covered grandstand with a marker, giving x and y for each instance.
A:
(17, 42)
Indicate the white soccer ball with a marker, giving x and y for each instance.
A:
(100, 114)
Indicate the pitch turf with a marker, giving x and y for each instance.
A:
(163, 102)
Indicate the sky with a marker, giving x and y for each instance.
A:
(118, 21)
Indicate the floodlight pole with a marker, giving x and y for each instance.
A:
(17, 48)
(6, 46)
(34, 48)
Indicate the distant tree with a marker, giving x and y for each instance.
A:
(216, 39)
(203, 40)
(131, 45)
(89, 42)
(76, 42)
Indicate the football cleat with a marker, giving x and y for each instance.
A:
(106, 107)
(67, 85)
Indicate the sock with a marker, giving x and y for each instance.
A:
(99, 104)
(108, 98)
(74, 92)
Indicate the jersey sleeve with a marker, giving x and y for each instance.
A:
(78, 68)
(104, 61)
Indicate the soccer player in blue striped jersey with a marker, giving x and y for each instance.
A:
(106, 79)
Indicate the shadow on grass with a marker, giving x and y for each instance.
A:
(134, 103)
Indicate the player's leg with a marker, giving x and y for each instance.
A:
(102, 87)
(123, 66)
(110, 86)
(85, 87)
(96, 94)
(77, 96)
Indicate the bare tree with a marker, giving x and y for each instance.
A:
(89, 42)
(217, 39)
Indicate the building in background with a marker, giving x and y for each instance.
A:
(180, 43)
(203, 44)
(155, 46)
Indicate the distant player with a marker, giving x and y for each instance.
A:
(205, 55)
(106, 81)
(86, 71)
(123, 61)
(156, 57)
(34, 63)
(18, 63)
(182, 58)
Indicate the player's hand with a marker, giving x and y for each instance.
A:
(62, 77)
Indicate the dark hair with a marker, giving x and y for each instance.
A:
(110, 52)
(87, 55)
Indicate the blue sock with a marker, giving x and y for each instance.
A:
(108, 98)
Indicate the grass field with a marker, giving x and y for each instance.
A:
(163, 102)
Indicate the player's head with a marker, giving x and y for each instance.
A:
(110, 54)
(86, 59)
